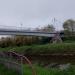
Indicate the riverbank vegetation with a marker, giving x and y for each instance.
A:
(43, 49)
(39, 71)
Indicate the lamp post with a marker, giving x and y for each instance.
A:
(21, 26)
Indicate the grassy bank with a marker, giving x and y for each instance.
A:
(43, 49)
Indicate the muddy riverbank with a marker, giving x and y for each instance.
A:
(53, 58)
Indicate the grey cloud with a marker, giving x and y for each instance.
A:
(33, 13)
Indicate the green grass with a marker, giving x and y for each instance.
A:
(43, 49)
(39, 71)
(5, 71)
(52, 71)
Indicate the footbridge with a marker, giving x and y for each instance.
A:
(26, 32)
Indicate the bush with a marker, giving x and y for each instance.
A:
(69, 38)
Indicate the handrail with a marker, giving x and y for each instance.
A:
(29, 62)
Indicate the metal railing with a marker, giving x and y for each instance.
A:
(9, 62)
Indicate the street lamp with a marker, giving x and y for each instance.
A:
(21, 25)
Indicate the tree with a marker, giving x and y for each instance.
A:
(69, 26)
(48, 28)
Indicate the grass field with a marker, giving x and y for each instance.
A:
(5, 71)
(43, 49)
(52, 71)
(39, 71)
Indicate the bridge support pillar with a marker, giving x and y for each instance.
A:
(56, 38)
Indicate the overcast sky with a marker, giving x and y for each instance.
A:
(36, 13)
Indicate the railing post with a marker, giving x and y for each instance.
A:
(21, 66)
